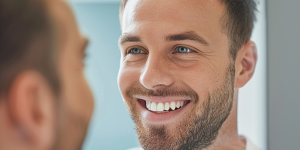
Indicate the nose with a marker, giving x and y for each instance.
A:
(156, 73)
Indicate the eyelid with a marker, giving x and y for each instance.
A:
(194, 50)
(138, 47)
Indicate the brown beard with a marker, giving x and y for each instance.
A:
(200, 126)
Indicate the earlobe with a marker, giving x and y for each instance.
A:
(245, 64)
(31, 108)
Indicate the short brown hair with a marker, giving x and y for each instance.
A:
(237, 23)
(26, 41)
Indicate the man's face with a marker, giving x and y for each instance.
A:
(176, 75)
(76, 101)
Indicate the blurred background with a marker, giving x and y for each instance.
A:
(268, 104)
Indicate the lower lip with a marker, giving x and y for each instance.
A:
(161, 118)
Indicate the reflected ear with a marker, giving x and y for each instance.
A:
(31, 107)
(245, 64)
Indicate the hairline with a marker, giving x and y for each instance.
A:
(224, 20)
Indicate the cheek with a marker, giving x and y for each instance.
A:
(76, 92)
(77, 95)
(201, 79)
(127, 78)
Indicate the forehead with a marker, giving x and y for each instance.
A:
(153, 20)
(176, 12)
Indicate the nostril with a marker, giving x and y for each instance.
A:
(155, 75)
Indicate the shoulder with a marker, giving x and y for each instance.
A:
(251, 146)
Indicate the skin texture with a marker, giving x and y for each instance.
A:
(151, 66)
(33, 117)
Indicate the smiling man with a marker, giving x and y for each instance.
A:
(182, 63)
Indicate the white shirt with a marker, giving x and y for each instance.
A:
(249, 146)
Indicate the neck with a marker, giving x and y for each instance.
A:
(228, 137)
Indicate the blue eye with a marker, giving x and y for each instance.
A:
(183, 50)
(136, 51)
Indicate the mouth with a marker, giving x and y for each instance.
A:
(163, 107)
(162, 111)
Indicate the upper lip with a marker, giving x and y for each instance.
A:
(161, 99)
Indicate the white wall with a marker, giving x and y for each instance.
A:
(283, 74)
(252, 104)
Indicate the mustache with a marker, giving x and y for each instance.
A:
(187, 93)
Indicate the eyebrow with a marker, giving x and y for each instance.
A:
(129, 38)
(191, 35)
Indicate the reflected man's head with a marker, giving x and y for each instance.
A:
(45, 101)
(182, 63)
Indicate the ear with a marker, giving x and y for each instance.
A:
(245, 64)
(31, 107)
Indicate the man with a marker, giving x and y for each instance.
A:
(45, 102)
(182, 63)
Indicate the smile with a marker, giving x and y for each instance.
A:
(161, 107)
(163, 110)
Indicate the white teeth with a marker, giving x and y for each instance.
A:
(148, 104)
(153, 106)
(167, 106)
(160, 107)
(172, 105)
(178, 105)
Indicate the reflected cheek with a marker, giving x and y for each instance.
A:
(77, 95)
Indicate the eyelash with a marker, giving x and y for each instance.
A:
(175, 49)
(137, 47)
